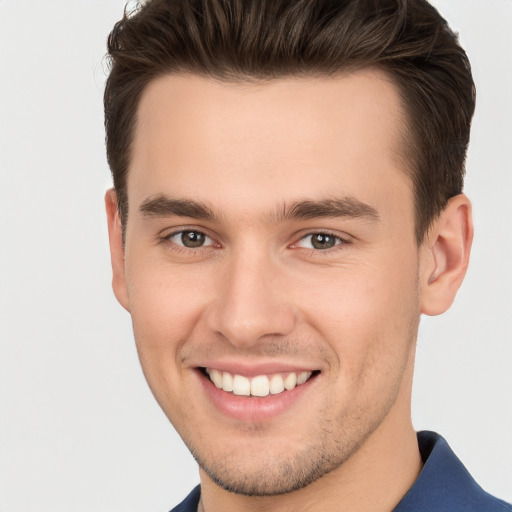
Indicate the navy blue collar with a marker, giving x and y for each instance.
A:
(444, 485)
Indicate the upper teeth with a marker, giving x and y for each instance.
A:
(261, 385)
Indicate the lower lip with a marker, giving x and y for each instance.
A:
(253, 409)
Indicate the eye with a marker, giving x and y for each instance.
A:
(190, 239)
(319, 241)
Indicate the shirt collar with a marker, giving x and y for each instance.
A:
(444, 484)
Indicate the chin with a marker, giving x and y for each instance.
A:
(262, 475)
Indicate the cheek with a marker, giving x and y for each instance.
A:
(370, 322)
(366, 313)
(165, 305)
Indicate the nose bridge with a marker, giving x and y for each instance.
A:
(249, 303)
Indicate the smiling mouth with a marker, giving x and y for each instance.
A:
(260, 385)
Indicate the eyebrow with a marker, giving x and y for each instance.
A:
(164, 206)
(343, 207)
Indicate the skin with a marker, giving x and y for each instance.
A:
(258, 292)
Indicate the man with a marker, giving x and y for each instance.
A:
(287, 202)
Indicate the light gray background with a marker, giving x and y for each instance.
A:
(79, 430)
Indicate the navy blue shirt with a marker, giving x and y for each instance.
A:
(444, 485)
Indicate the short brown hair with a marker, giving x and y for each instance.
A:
(236, 40)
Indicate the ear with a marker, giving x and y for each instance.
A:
(116, 249)
(445, 256)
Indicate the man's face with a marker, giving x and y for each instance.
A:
(270, 237)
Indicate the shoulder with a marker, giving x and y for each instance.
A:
(444, 484)
(189, 504)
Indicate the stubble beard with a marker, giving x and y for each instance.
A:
(275, 474)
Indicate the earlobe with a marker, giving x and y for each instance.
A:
(445, 256)
(116, 249)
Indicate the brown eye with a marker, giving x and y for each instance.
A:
(190, 239)
(323, 241)
(320, 241)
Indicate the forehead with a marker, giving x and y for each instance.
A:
(285, 138)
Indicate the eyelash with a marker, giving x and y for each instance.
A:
(167, 239)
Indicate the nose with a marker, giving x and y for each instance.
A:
(251, 302)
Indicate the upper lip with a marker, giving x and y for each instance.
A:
(254, 369)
